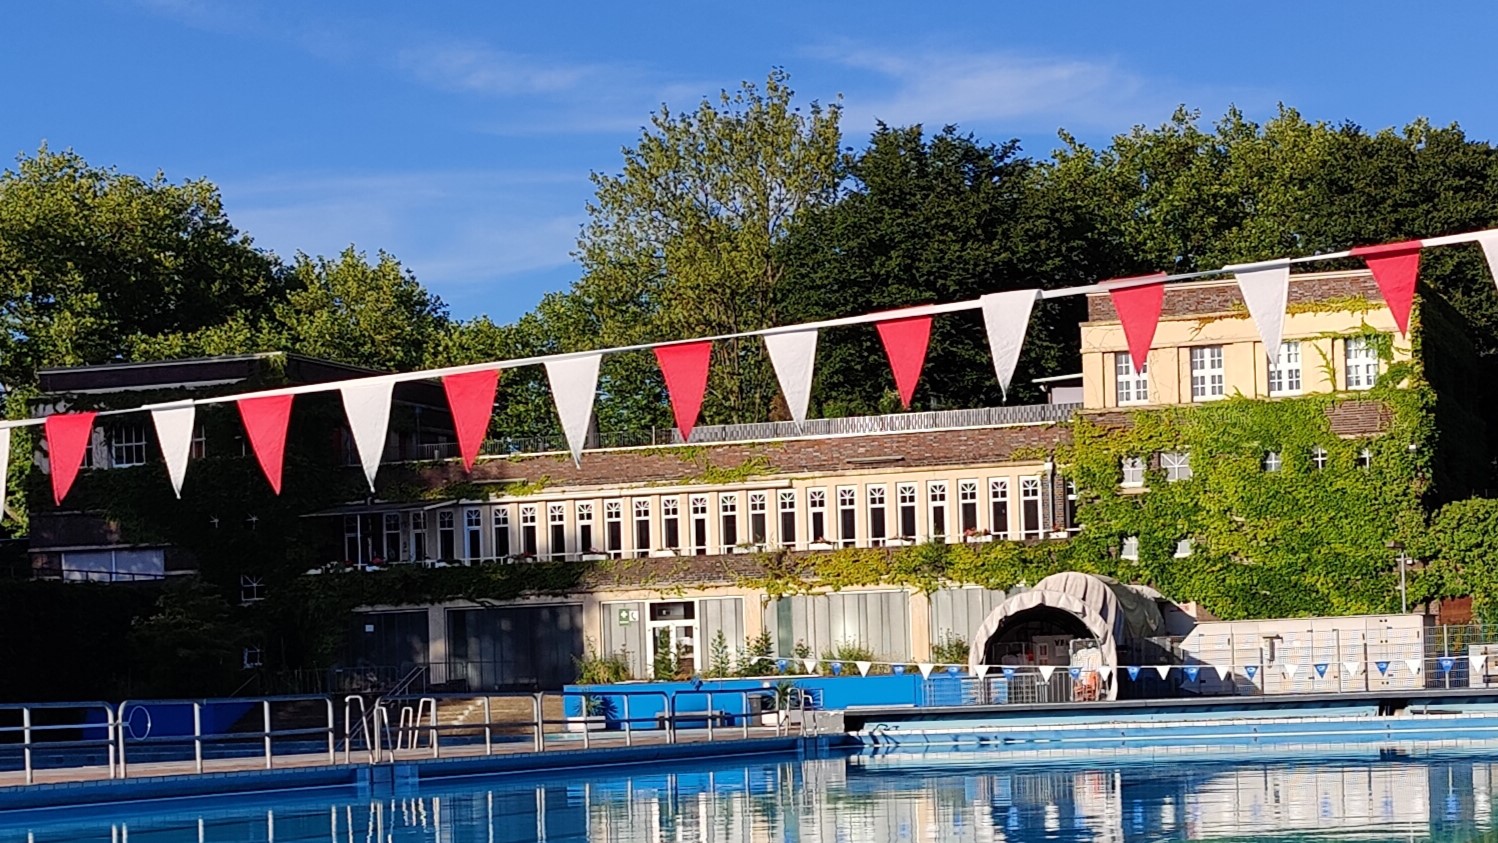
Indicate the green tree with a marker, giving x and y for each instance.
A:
(683, 242)
(92, 259)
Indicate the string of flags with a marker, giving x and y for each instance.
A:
(1385, 668)
(905, 335)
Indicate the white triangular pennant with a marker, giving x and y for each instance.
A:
(793, 354)
(863, 667)
(1105, 673)
(1163, 670)
(367, 405)
(1046, 671)
(1265, 291)
(1413, 664)
(926, 668)
(1290, 670)
(811, 665)
(574, 382)
(1489, 242)
(980, 670)
(1224, 672)
(174, 424)
(1006, 316)
(1477, 660)
(1352, 667)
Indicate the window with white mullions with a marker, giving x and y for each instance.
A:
(642, 527)
(1029, 501)
(1273, 461)
(905, 493)
(671, 522)
(998, 507)
(447, 535)
(816, 510)
(613, 528)
(1208, 382)
(556, 522)
(127, 445)
(967, 506)
(1176, 464)
(787, 500)
(847, 516)
(1284, 372)
(728, 526)
(473, 531)
(758, 505)
(585, 527)
(698, 504)
(528, 530)
(501, 519)
(1133, 387)
(1362, 363)
(936, 496)
(878, 523)
(1133, 471)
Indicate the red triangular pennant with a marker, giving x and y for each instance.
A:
(68, 436)
(470, 397)
(1395, 267)
(684, 366)
(905, 342)
(265, 421)
(1138, 307)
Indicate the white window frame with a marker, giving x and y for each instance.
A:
(728, 513)
(584, 517)
(1285, 371)
(759, 505)
(1133, 472)
(967, 496)
(1176, 464)
(1361, 359)
(697, 506)
(1029, 490)
(1184, 549)
(473, 533)
(1365, 458)
(641, 510)
(251, 589)
(127, 444)
(613, 515)
(1208, 374)
(816, 504)
(1320, 459)
(670, 515)
(877, 498)
(1272, 461)
(847, 504)
(998, 493)
(937, 510)
(907, 499)
(500, 523)
(1130, 549)
(1131, 387)
(786, 507)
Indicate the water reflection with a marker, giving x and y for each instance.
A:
(900, 797)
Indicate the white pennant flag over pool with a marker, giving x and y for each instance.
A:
(1413, 664)
(793, 354)
(863, 667)
(1489, 242)
(574, 382)
(811, 665)
(980, 670)
(1163, 670)
(367, 406)
(1006, 316)
(1265, 291)
(1224, 672)
(174, 423)
(1290, 670)
(1105, 673)
(1477, 660)
(1046, 670)
(1352, 667)
(926, 668)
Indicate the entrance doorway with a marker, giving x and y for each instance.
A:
(673, 640)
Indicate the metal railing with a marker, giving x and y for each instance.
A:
(265, 736)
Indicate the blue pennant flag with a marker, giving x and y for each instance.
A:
(953, 670)
(837, 668)
(1192, 671)
(1009, 673)
(1133, 673)
(1076, 672)
(780, 665)
(1252, 670)
(1446, 663)
(899, 669)
(1383, 667)
(1321, 670)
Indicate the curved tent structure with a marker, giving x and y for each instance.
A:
(1072, 605)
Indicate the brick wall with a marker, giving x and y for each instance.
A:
(1359, 417)
(1224, 297)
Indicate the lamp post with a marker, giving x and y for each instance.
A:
(1403, 561)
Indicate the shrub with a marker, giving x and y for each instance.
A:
(595, 669)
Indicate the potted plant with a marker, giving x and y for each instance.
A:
(597, 710)
(784, 697)
(594, 668)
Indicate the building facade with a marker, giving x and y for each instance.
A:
(681, 550)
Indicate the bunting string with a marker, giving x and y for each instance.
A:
(792, 348)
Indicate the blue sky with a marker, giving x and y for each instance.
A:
(459, 135)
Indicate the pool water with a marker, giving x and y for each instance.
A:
(904, 796)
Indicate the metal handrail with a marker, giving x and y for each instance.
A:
(28, 730)
(266, 735)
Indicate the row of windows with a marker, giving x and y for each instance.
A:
(1177, 464)
(126, 444)
(1209, 377)
(873, 515)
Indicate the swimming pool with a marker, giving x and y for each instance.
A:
(1351, 793)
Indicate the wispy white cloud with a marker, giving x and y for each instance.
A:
(464, 234)
(936, 86)
(477, 68)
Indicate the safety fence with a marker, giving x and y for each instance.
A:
(100, 740)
